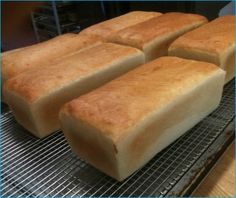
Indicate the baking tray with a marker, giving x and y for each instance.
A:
(33, 167)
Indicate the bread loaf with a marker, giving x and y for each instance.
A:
(35, 96)
(106, 28)
(19, 60)
(213, 42)
(154, 36)
(120, 126)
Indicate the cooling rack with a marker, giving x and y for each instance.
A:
(33, 167)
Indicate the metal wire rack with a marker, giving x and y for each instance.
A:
(33, 167)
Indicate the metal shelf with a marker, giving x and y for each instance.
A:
(47, 167)
(52, 17)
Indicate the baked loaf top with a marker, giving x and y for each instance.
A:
(106, 28)
(215, 37)
(47, 52)
(159, 27)
(35, 83)
(121, 104)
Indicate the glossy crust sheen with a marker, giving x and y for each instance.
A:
(45, 53)
(215, 37)
(121, 104)
(163, 26)
(107, 28)
(36, 83)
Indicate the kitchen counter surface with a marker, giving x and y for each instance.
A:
(220, 180)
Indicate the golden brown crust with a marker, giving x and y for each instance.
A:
(106, 28)
(170, 23)
(214, 37)
(122, 103)
(35, 83)
(45, 53)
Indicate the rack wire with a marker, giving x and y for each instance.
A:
(33, 167)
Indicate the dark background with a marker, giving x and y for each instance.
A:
(17, 28)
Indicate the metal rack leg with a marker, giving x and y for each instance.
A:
(54, 8)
